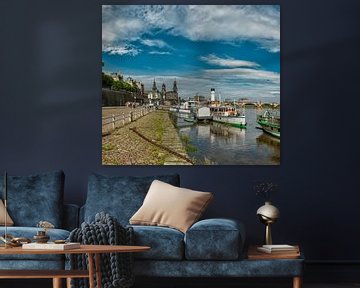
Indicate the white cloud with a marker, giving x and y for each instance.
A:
(154, 43)
(227, 62)
(121, 50)
(233, 23)
(119, 28)
(245, 73)
(275, 92)
(160, 52)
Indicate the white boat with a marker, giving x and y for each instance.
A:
(228, 115)
(184, 111)
(188, 107)
(203, 113)
(173, 109)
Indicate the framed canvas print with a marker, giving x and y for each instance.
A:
(191, 85)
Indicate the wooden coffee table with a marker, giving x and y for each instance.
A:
(92, 251)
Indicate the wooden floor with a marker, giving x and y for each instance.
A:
(45, 283)
(339, 285)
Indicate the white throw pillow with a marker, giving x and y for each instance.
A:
(170, 206)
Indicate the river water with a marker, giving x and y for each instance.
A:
(220, 144)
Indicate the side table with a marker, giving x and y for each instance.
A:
(255, 255)
(93, 251)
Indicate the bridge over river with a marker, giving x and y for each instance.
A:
(259, 104)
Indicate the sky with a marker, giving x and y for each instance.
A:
(232, 48)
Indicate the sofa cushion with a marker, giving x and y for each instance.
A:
(119, 196)
(29, 232)
(9, 221)
(165, 243)
(222, 269)
(35, 198)
(214, 239)
(39, 264)
(170, 206)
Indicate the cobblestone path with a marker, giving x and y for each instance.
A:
(125, 147)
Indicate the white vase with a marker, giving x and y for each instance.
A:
(268, 214)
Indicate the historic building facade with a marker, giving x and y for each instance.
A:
(163, 97)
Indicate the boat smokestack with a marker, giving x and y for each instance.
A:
(212, 94)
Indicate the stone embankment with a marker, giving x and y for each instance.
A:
(150, 140)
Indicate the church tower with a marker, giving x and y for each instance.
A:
(154, 95)
(175, 89)
(154, 89)
(175, 92)
(163, 93)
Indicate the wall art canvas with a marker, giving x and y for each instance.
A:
(191, 85)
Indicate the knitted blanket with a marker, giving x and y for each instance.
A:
(116, 268)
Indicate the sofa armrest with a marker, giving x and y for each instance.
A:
(71, 216)
(215, 239)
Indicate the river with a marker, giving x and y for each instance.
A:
(220, 144)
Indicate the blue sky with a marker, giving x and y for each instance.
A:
(234, 49)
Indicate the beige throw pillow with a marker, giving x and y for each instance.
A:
(9, 221)
(170, 206)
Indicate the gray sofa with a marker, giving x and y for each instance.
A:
(210, 248)
(32, 199)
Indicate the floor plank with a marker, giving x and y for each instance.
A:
(46, 283)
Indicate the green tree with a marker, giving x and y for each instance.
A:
(107, 81)
(118, 85)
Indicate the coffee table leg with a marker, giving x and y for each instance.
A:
(297, 282)
(68, 282)
(98, 270)
(57, 283)
(91, 270)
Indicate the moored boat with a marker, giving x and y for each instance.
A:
(228, 115)
(190, 119)
(174, 109)
(203, 113)
(188, 107)
(270, 123)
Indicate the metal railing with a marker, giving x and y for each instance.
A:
(114, 121)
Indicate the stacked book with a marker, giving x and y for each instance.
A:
(273, 252)
(278, 249)
(51, 246)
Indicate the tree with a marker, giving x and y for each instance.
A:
(107, 81)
